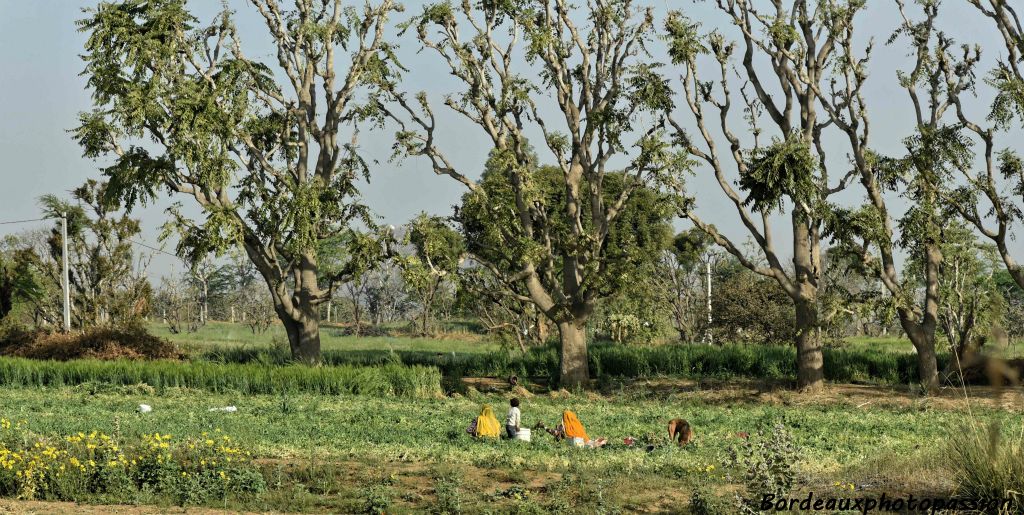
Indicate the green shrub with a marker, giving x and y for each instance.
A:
(186, 471)
(250, 378)
(448, 489)
(775, 362)
(766, 461)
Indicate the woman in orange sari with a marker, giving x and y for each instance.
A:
(573, 429)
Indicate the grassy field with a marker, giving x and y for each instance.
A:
(345, 453)
(385, 438)
(226, 334)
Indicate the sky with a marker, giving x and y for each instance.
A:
(42, 92)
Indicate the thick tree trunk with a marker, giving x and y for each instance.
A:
(573, 354)
(810, 365)
(303, 338)
(302, 321)
(924, 343)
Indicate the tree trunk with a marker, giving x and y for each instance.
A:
(303, 338)
(355, 316)
(924, 343)
(573, 354)
(810, 365)
(302, 321)
(542, 329)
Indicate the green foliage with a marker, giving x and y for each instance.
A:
(106, 286)
(775, 362)
(684, 38)
(194, 471)
(20, 279)
(493, 231)
(783, 170)
(447, 488)
(1009, 100)
(252, 378)
(767, 461)
(748, 307)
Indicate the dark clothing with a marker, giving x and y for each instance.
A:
(511, 431)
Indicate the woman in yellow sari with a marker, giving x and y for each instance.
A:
(487, 424)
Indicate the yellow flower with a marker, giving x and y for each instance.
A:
(209, 443)
(709, 468)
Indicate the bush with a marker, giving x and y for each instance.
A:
(766, 461)
(189, 471)
(253, 378)
(447, 488)
(775, 362)
(986, 464)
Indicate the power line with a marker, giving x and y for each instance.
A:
(24, 221)
(154, 249)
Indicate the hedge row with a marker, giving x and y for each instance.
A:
(619, 361)
(248, 378)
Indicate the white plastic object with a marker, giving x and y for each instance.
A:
(523, 434)
(145, 408)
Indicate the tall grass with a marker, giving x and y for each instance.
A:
(611, 361)
(251, 378)
(988, 464)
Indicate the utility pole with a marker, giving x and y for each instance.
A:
(67, 282)
(707, 336)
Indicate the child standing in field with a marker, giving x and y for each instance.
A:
(513, 419)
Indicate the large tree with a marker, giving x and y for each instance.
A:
(785, 51)
(581, 85)
(874, 233)
(260, 146)
(1001, 180)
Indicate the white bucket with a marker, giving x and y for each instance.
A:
(578, 441)
(523, 434)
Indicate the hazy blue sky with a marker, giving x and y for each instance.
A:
(41, 93)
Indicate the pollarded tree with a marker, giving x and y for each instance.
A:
(873, 233)
(785, 54)
(582, 80)
(259, 146)
(1001, 181)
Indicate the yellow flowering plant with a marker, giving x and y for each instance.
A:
(190, 470)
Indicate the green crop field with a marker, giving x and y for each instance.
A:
(345, 453)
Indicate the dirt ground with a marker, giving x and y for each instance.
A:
(54, 508)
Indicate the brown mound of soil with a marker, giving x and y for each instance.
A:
(96, 343)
